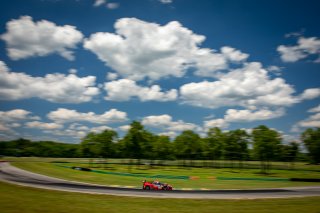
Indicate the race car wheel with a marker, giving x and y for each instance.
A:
(147, 188)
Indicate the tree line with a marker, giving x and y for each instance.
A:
(263, 144)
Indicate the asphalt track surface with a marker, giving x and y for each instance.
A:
(11, 174)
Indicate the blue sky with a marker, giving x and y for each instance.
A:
(68, 67)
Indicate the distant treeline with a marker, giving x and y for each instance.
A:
(26, 148)
(263, 144)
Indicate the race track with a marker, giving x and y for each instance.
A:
(11, 174)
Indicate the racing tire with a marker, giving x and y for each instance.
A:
(147, 188)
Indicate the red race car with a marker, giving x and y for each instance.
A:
(155, 185)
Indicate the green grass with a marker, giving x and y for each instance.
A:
(43, 166)
(17, 199)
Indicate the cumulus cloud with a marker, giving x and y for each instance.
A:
(220, 123)
(248, 87)
(165, 122)
(311, 122)
(63, 115)
(124, 128)
(78, 126)
(315, 109)
(42, 125)
(140, 49)
(234, 55)
(16, 115)
(76, 130)
(25, 38)
(12, 119)
(311, 93)
(233, 115)
(304, 48)
(275, 70)
(58, 88)
(240, 116)
(112, 76)
(125, 89)
(76, 134)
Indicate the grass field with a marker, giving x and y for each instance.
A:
(17, 199)
(204, 177)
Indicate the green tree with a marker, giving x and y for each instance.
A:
(89, 147)
(311, 140)
(187, 145)
(214, 144)
(99, 144)
(162, 148)
(265, 145)
(137, 143)
(288, 153)
(106, 141)
(236, 145)
(26, 148)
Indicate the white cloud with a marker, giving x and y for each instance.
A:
(100, 129)
(170, 134)
(77, 130)
(25, 38)
(73, 71)
(12, 119)
(124, 128)
(78, 126)
(309, 94)
(112, 5)
(98, 3)
(16, 115)
(220, 123)
(234, 55)
(315, 109)
(233, 115)
(3, 128)
(290, 54)
(310, 122)
(295, 34)
(140, 49)
(55, 87)
(42, 125)
(248, 87)
(125, 89)
(239, 116)
(77, 134)
(165, 122)
(157, 120)
(165, 1)
(275, 70)
(112, 76)
(304, 48)
(63, 115)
